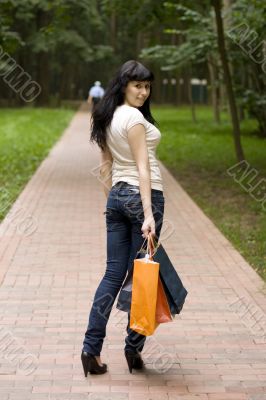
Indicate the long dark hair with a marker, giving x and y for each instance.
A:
(114, 96)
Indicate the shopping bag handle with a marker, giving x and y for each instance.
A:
(151, 247)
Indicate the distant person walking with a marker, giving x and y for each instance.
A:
(96, 92)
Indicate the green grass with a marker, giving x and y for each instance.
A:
(26, 136)
(198, 155)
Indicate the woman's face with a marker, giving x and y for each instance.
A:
(136, 93)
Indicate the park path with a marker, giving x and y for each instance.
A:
(52, 255)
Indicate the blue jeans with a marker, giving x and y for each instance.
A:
(124, 219)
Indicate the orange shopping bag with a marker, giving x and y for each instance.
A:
(163, 313)
(149, 305)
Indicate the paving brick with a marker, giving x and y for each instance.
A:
(187, 396)
(227, 396)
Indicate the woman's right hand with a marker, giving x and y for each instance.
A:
(148, 226)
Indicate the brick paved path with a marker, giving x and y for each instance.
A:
(52, 255)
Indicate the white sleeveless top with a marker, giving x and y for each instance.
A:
(124, 167)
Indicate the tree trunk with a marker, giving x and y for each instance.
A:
(43, 79)
(228, 80)
(157, 87)
(43, 63)
(157, 92)
(139, 41)
(113, 37)
(66, 82)
(178, 91)
(185, 88)
(241, 113)
(190, 98)
(214, 90)
(259, 112)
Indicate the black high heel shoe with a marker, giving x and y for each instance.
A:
(91, 365)
(134, 360)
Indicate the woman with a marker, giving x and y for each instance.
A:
(123, 127)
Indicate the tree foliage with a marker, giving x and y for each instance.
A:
(66, 44)
(248, 53)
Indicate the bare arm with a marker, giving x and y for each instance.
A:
(138, 146)
(106, 170)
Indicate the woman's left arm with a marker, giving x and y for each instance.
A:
(106, 170)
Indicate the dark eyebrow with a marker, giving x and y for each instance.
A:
(148, 82)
